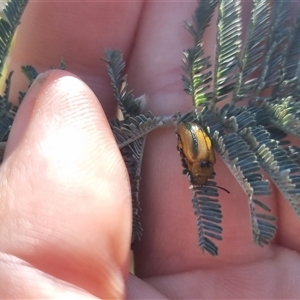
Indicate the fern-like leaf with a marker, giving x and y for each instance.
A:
(284, 115)
(7, 111)
(244, 166)
(30, 72)
(291, 60)
(207, 209)
(195, 65)
(132, 155)
(126, 101)
(134, 128)
(253, 50)
(13, 11)
(272, 65)
(275, 161)
(228, 45)
(4, 100)
(209, 218)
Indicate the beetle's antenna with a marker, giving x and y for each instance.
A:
(221, 188)
(216, 186)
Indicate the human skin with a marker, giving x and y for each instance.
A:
(65, 206)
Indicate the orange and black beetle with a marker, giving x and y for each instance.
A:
(195, 147)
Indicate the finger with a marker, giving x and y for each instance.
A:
(139, 289)
(288, 223)
(154, 69)
(32, 283)
(271, 278)
(78, 32)
(65, 197)
(169, 242)
(288, 219)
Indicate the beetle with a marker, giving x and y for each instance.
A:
(196, 149)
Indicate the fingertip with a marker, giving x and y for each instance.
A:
(67, 181)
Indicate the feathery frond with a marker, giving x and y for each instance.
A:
(209, 217)
(132, 155)
(291, 56)
(197, 67)
(4, 100)
(265, 73)
(30, 72)
(6, 111)
(128, 105)
(272, 64)
(131, 132)
(275, 161)
(207, 209)
(244, 166)
(13, 11)
(253, 50)
(284, 115)
(228, 45)
(134, 128)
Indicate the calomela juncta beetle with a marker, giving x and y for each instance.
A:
(196, 149)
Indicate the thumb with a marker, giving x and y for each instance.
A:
(65, 204)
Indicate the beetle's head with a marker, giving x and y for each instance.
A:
(200, 171)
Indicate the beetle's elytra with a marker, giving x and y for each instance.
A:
(195, 146)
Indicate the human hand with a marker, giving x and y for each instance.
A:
(65, 199)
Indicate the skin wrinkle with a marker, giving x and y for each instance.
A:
(79, 106)
(246, 277)
(89, 124)
(9, 263)
(19, 213)
(56, 123)
(44, 233)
